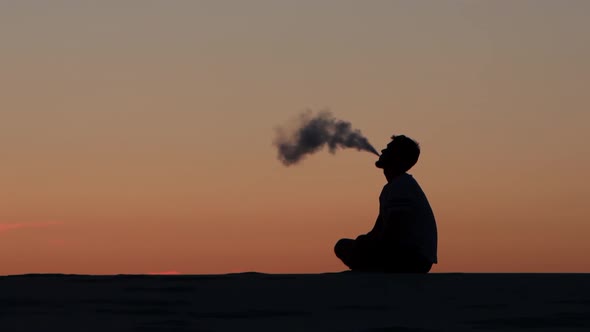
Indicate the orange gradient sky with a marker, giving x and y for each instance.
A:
(136, 136)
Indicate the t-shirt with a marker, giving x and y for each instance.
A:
(405, 211)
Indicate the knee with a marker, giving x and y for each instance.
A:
(342, 246)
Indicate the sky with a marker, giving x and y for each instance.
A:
(136, 136)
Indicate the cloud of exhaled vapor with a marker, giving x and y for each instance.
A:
(314, 131)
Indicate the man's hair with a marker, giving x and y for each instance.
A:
(407, 150)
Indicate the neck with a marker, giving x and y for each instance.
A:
(391, 174)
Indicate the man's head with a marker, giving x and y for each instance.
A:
(400, 155)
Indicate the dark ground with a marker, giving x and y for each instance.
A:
(322, 302)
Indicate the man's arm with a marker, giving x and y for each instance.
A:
(377, 227)
(396, 212)
(372, 235)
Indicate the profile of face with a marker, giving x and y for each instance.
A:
(387, 158)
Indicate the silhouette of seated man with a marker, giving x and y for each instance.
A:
(404, 238)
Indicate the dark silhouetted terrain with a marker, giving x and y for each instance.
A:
(325, 302)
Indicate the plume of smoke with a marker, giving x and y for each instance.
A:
(313, 132)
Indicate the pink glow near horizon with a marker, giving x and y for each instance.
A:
(165, 273)
(4, 227)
